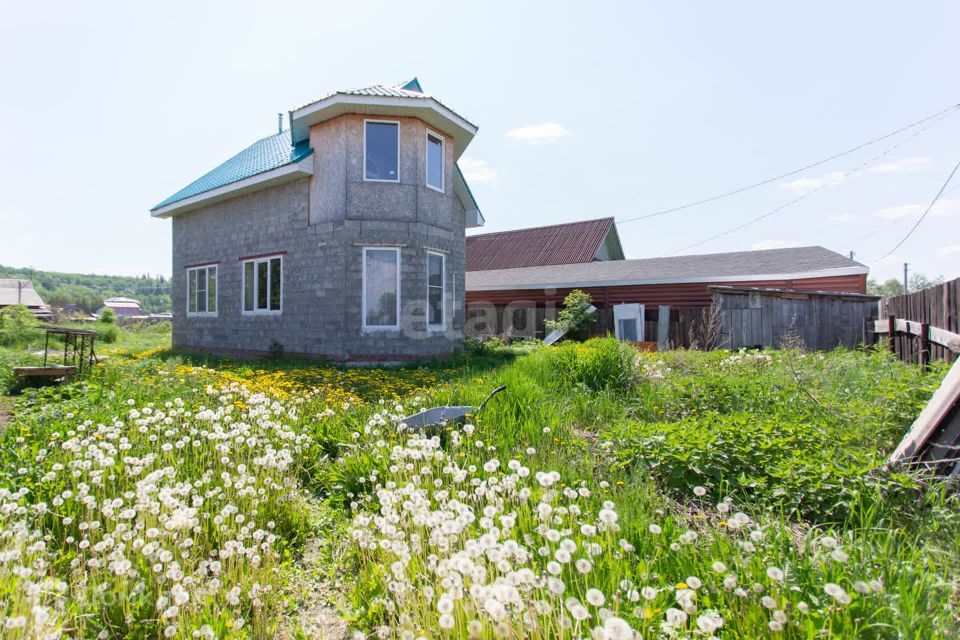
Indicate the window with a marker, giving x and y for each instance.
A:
(202, 291)
(434, 161)
(381, 288)
(627, 329)
(435, 287)
(263, 285)
(381, 151)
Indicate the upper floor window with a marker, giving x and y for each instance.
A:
(435, 286)
(381, 288)
(434, 161)
(202, 291)
(263, 284)
(381, 151)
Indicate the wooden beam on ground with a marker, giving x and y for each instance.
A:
(934, 438)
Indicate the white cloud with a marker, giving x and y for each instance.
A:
(475, 170)
(911, 164)
(945, 207)
(774, 244)
(843, 218)
(536, 133)
(9, 216)
(810, 184)
(949, 250)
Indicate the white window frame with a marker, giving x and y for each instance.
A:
(216, 294)
(443, 290)
(243, 286)
(365, 178)
(363, 301)
(426, 160)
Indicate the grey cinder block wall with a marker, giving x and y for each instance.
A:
(319, 226)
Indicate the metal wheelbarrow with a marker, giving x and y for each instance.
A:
(438, 416)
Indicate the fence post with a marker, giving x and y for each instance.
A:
(663, 328)
(892, 333)
(924, 356)
(868, 334)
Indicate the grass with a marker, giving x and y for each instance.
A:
(606, 492)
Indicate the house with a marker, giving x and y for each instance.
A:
(16, 291)
(124, 308)
(570, 243)
(516, 301)
(341, 237)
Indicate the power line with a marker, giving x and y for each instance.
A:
(945, 112)
(924, 214)
(806, 195)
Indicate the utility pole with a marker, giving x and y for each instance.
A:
(906, 290)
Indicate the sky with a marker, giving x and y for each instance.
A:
(585, 110)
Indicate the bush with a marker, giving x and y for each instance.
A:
(601, 363)
(108, 316)
(18, 326)
(801, 468)
(106, 333)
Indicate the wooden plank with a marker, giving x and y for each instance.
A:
(948, 339)
(663, 328)
(56, 370)
(937, 410)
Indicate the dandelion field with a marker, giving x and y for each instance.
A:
(606, 494)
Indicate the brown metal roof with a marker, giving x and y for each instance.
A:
(571, 243)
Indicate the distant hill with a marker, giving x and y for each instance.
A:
(89, 291)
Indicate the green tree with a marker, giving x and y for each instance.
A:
(885, 289)
(107, 316)
(894, 287)
(575, 315)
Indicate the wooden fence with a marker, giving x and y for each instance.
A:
(760, 317)
(925, 323)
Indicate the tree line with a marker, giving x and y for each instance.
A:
(88, 291)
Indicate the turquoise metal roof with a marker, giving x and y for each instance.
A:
(270, 153)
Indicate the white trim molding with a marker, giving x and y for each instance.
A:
(425, 108)
(363, 292)
(267, 258)
(286, 173)
(443, 291)
(443, 160)
(367, 121)
(205, 268)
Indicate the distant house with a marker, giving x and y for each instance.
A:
(14, 291)
(571, 243)
(125, 308)
(515, 300)
(341, 238)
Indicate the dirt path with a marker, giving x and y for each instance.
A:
(316, 595)
(5, 413)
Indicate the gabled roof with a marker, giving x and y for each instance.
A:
(574, 242)
(740, 266)
(16, 291)
(263, 155)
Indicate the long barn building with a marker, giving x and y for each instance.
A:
(515, 300)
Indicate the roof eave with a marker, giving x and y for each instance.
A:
(461, 190)
(561, 284)
(425, 108)
(286, 173)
